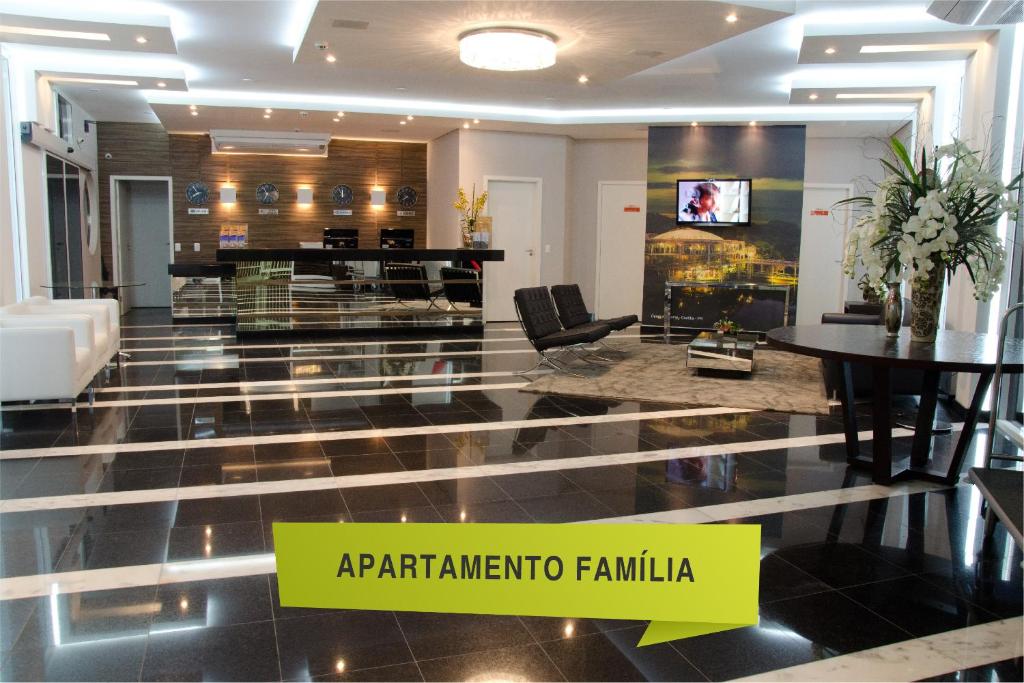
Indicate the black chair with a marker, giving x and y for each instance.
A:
(462, 286)
(540, 323)
(904, 382)
(408, 282)
(573, 313)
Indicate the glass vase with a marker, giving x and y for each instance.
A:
(892, 311)
(925, 302)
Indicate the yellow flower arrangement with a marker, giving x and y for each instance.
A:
(469, 210)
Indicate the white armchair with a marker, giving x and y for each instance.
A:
(104, 312)
(46, 357)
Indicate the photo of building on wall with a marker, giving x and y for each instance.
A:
(748, 259)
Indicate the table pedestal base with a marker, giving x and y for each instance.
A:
(880, 462)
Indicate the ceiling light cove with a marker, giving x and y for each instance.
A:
(53, 33)
(507, 49)
(922, 47)
(880, 96)
(98, 81)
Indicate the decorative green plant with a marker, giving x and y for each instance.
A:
(469, 210)
(944, 213)
(727, 326)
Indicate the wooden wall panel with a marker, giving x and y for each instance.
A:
(139, 150)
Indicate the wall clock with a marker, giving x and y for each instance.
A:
(342, 195)
(267, 193)
(406, 197)
(197, 193)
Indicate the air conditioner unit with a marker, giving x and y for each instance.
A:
(268, 142)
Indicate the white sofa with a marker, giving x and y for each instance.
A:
(90, 306)
(104, 312)
(47, 357)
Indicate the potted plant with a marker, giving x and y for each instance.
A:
(924, 222)
(726, 326)
(469, 211)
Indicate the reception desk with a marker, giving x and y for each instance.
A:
(333, 290)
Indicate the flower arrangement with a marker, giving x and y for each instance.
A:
(923, 223)
(469, 210)
(726, 326)
(941, 215)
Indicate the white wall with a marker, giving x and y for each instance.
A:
(593, 161)
(443, 181)
(32, 99)
(486, 153)
(8, 217)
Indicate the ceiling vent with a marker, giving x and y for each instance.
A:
(978, 12)
(351, 24)
(269, 142)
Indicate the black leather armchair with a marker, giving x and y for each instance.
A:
(904, 382)
(408, 282)
(540, 323)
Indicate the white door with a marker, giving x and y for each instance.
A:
(822, 286)
(621, 219)
(145, 241)
(514, 205)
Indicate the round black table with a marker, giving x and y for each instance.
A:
(868, 344)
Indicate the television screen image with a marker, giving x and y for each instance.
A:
(713, 202)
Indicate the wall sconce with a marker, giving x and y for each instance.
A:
(377, 198)
(227, 195)
(305, 195)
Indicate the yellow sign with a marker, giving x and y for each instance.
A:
(687, 579)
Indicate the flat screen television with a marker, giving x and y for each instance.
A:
(713, 202)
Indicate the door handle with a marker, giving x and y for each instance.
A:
(530, 252)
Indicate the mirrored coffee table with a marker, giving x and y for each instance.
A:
(709, 351)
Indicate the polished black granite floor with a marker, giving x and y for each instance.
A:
(835, 578)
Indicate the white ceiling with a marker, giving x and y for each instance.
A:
(648, 63)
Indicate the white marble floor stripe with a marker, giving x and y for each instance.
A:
(107, 498)
(40, 585)
(175, 326)
(390, 342)
(913, 660)
(207, 337)
(150, 446)
(228, 360)
(386, 391)
(771, 506)
(293, 384)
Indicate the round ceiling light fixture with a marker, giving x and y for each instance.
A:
(507, 49)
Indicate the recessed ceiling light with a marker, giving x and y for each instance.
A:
(192, 107)
(476, 120)
(336, 119)
(583, 78)
(141, 40)
(830, 50)
(53, 33)
(246, 79)
(753, 123)
(266, 116)
(400, 88)
(879, 96)
(97, 81)
(693, 124)
(922, 47)
(161, 84)
(409, 117)
(401, 123)
(466, 124)
(331, 58)
(507, 49)
(732, 18)
(194, 113)
(340, 114)
(268, 110)
(813, 96)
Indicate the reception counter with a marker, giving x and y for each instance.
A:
(332, 290)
